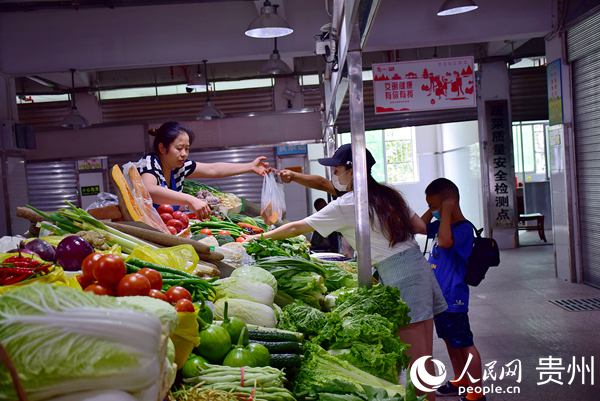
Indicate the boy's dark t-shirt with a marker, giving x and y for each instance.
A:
(449, 267)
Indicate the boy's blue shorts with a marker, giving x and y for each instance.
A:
(454, 328)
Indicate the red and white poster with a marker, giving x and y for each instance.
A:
(436, 84)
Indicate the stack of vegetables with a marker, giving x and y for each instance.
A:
(62, 341)
(285, 347)
(216, 199)
(353, 346)
(250, 292)
(261, 248)
(297, 278)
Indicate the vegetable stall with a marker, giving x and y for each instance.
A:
(92, 309)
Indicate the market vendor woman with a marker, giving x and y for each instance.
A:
(164, 171)
(394, 251)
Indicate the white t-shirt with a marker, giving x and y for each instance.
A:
(339, 216)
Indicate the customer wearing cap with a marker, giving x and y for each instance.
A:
(394, 252)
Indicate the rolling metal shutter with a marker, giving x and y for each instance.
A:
(529, 94)
(583, 45)
(50, 184)
(248, 186)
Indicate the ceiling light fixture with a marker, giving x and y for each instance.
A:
(268, 24)
(195, 82)
(209, 111)
(275, 66)
(453, 7)
(74, 119)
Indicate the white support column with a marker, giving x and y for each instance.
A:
(497, 156)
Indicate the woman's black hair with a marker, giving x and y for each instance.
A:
(168, 132)
(391, 211)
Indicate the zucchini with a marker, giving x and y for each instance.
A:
(271, 334)
(289, 361)
(281, 347)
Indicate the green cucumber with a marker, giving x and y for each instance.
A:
(280, 361)
(281, 347)
(270, 334)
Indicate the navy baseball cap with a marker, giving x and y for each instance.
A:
(343, 157)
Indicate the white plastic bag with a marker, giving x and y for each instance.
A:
(272, 201)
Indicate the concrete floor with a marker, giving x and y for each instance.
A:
(511, 318)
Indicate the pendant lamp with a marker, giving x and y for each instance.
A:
(209, 111)
(268, 24)
(453, 7)
(275, 66)
(74, 119)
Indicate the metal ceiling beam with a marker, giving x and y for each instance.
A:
(27, 6)
(346, 14)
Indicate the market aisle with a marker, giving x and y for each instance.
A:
(512, 319)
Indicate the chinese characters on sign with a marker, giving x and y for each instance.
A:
(555, 111)
(501, 162)
(434, 84)
(90, 190)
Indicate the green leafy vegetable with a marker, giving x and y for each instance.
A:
(262, 248)
(297, 278)
(302, 318)
(379, 299)
(336, 278)
(325, 373)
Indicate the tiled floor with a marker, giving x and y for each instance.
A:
(511, 318)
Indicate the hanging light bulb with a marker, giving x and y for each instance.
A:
(74, 119)
(268, 24)
(453, 7)
(209, 111)
(275, 66)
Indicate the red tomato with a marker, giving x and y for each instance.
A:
(192, 216)
(172, 229)
(84, 281)
(240, 239)
(176, 223)
(88, 264)
(184, 305)
(165, 209)
(158, 295)
(153, 276)
(181, 217)
(176, 293)
(99, 289)
(224, 232)
(133, 284)
(166, 217)
(109, 270)
(206, 231)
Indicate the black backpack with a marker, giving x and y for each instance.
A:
(484, 255)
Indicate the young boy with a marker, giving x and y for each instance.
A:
(448, 260)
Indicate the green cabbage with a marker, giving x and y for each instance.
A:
(62, 340)
(242, 288)
(256, 273)
(250, 312)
